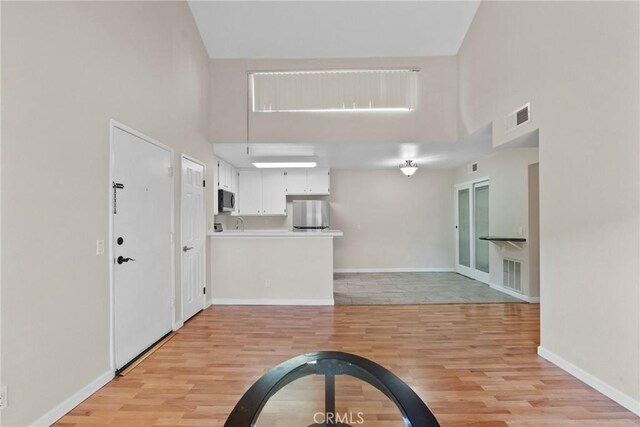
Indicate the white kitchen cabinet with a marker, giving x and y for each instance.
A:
(227, 177)
(308, 181)
(233, 180)
(318, 181)
(250, 192)
(224, 175)
(274, 194)
(296, 180)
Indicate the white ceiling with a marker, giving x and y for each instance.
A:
(332, 29)
(373, 156)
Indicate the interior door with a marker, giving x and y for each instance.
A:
(141, 244)
(464, 248)
(193, 238)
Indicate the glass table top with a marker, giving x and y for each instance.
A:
(330, 389)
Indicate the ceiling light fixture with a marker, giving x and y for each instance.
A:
(285, 164)
(409, 168)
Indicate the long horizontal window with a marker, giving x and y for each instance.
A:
(333, 90)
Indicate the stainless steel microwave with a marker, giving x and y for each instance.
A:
(226, 201)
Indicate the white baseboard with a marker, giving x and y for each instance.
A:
(63, 408)
(178, 325)
(208, 303)
(532, 300)
(612, 393)
(271, 301)
(395, 270)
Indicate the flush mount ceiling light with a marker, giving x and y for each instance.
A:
(409, 168)
(264, 165)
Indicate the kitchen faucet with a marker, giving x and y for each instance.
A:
(239, 220)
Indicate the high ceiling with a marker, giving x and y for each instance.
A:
(332, 29)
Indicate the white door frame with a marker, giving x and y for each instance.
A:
(113, 124)
(204, 217)
(470, 271)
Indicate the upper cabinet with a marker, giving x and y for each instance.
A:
(274, 195)
(227, 177)
(296, 180)
(250, 194)
(262, 193)
(308, 182)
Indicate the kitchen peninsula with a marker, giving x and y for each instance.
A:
(272, 267)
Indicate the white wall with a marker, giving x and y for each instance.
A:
(508, 175)
(69, 67)
(270, 278)
(434, 119)
(392, 221)
(578, 65)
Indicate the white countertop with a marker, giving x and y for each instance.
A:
(275, 233)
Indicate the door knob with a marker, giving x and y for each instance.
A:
(186, 248)
(122, 259)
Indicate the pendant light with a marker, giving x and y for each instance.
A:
(409, 168)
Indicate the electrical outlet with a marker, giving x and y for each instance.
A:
(3, 397)
(99, 247)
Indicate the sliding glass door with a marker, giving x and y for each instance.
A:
(481, 228)
(472, 222)
(463, 231)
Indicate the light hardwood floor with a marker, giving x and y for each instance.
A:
(473, 364)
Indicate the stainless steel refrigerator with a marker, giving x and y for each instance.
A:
(310, 214)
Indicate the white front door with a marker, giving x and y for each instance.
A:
(141, 210)
(193, 237)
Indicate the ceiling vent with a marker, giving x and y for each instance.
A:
(518, 118)
(472, 167)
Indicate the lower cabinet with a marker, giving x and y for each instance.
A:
(262, 193)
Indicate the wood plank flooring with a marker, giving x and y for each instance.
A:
(473, 364)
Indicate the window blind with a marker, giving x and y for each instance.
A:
(333, 90)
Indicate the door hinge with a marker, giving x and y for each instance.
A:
(204, 183)
(170, 170)
(204, 290)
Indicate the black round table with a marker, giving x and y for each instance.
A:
(413, 410)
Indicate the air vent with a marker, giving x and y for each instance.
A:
(511, 273)
(517, 118)
(472, 167)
